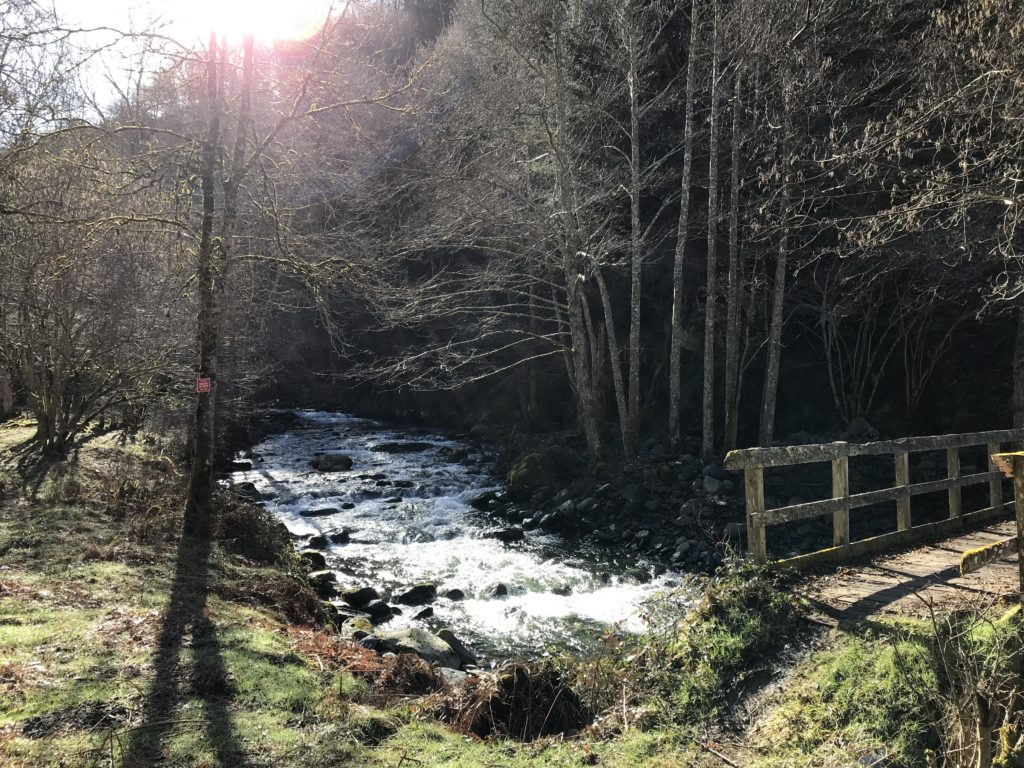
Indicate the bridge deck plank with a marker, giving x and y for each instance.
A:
(906, 582)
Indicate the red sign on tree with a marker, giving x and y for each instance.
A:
(204, 385)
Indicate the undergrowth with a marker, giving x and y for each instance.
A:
(693, 660)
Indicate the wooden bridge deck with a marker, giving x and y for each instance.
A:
(906, 582)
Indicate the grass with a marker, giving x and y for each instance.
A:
(872, 693)
(120, 645)
(746, 615)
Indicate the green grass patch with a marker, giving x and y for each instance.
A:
(872, 694)
(744, 617)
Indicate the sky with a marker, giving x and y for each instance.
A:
(186, 21)
(191, 20)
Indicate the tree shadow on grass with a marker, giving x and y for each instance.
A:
(186, 625)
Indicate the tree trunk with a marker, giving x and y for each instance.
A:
(572, 273)
(710, 307)
(625, 420)
(682, 232)
(733, 343)
(6, 396)
(1018, 374)
(198, 509)
(636, 254)
(771, 379)
(213, 263)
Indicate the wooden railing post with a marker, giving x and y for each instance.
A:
(757, 543)
(995, 486)
(903, 483)
(953, 467)
(841, 491)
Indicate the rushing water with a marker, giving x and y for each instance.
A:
(560, 595)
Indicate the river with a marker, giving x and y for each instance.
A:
(410, 521)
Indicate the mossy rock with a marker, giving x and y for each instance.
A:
(553, 466)
(527, 476)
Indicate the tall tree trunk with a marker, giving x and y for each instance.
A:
(682, 232)
(625, 420)
(1018, 374)
(198, 508)
(6, 395)
(711, 305)
(211, 272)
(636, 248)
(733, 343)
(771, 378)
(572, 272)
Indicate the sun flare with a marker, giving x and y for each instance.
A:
(266, 20)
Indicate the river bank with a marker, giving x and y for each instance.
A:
(123, 645)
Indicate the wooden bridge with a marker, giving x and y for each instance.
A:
(982, 537)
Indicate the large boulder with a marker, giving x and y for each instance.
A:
(428, 647)
(421, 594)
(553, 466)
(360, 596)
(526, 477)
(332, 462)
(313, 559)
(466, 656)
(324, 583)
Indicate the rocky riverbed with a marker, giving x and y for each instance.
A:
(409, 532)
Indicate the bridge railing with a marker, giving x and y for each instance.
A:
(754, 461)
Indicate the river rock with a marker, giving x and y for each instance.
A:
(393, 500)
(526, 477)
(248, 492)
(404, 484)
(360, 596)
(340, 537)
(348, 505)
(428, 647)
(379, 611)
(452, 677)
(322, 512)
(482, 432)
(506, 535)
(711, 484)
(332, 462)
(313, 559)
(418, 595)
(396, 447)
(500, 591)
(715, 470)
(240, 466)
(466, 656)
(455, 594)
(426, 613)
(483, 501)
(356, 627)
(323, 582)
(317, 541)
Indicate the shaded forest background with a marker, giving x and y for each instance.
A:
(734, 221)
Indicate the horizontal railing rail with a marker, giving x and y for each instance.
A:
(753, 462)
